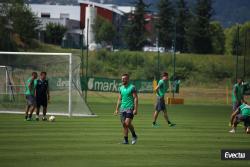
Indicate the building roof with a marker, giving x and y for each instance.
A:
(55, 11)
(126, 9)
(121, 10)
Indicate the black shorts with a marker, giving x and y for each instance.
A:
(243, 118)
(160, 104)
(126, 114)
(41, 101)
(246, 120)
(31, 100)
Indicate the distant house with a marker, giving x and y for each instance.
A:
(74, 18)
(67, 16)
(117, 15)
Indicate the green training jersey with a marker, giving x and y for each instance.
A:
(163, 87)
(127, 99)
(245, 110)
(33, 87)
(238, 95)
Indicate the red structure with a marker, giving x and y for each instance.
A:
(112, 13)
(102, 10)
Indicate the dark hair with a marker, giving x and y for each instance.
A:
(34, 73)
(43, 72)
(164, 74)
(125, 75)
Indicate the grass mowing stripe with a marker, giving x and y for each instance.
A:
(200, 134)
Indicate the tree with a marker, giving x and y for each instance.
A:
(104, 31)
(182, 20)
(54, 33)
(18, 25)
(24, 22)
(199, 39)
(135, 32)
(6, 42)
(165, 24)
(234, 38)
(217, 38)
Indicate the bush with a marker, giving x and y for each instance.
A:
(142, 65)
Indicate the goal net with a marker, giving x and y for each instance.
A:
(63, 75)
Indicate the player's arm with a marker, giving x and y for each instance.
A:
(135, 102)
(242, 97)
(30, 84)
(48, 93)
(157, 88)
(235, 93)
(118, 104)
(35, 89)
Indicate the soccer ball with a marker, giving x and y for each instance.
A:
(52, 118)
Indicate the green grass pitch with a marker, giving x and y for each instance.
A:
(200, 134)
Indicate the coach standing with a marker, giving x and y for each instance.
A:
(42, 95)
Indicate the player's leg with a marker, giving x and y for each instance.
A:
(27, 107)
(32, 103)
(44, 113)
(37, 111)
(235, 122)
(32, 109)
(128, 122)
(27, 112)
(233, 116)
(165, 115)
(125, 128)
(45, 104)
(38, 106)
(235, 106)
(156, 113)
(155, 116)
(246, 121)
(125, 133)
(247, 125)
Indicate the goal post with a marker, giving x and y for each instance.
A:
(6, 77)
(63, 76)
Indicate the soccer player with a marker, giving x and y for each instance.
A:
(42, 95)
(241, 114)
(161, 90)
(127, 105)
(30, 86)
(237, 94)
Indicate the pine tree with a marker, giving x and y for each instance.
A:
(135, 32)
(199, 39)
(165, 24)
(182, 19)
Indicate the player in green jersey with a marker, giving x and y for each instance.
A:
(241, 114)
(161, 90)
(237, 94)
(30, 87)
(127, 105)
